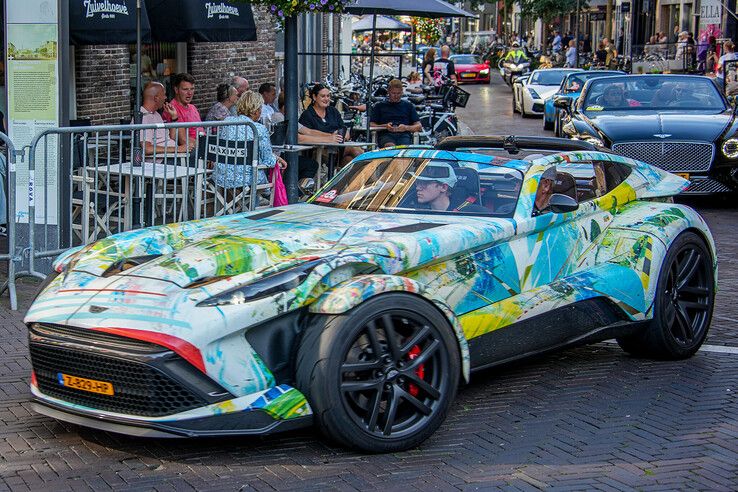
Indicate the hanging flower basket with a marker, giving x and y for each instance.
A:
(429, 30)
(282, 9)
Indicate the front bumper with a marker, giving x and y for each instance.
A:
(248, 422)
(152, 390)
(465, 77)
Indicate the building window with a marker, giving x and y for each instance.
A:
(158, 62)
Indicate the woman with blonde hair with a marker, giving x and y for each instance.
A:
(238, 175)
(428, 60)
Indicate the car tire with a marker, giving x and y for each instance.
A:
(557, 126)
(547, 125)
(685, 295)
(368, 394)
(514, 106)
(522, 108)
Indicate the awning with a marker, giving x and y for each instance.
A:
(200, 20)
(384, 23)
(106, 22)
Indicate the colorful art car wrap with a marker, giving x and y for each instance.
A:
(484, 273)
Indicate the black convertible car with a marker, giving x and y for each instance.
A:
(680, 123)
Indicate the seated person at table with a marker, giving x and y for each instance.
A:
(398, 117)
(414, 84)
(326, 119)
(226, 96)
(434, 187)
(185, 111)
(159, 141)
(238, 175)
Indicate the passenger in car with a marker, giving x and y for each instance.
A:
(545, 190)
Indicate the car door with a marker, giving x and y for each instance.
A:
(537, 308)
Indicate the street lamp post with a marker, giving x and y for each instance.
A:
(291, 100)
(576, 36)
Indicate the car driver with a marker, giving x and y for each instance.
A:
(435, 186)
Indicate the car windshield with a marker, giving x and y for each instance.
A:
(547, 77)
(652, 93)
(466, 59)
(575, 82)
(422, 185)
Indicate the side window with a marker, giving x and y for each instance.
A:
(592, 179)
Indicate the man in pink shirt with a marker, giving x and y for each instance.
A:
(159, 141)
(186, 112)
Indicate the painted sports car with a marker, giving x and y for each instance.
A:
(530, 92)
(362, 310)
(471, 68)
(571, 88)
(679, 123)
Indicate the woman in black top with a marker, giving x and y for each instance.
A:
(428, 61)
(325, 119)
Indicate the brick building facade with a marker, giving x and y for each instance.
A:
(102, 73)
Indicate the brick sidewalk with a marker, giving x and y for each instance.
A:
(583, 419)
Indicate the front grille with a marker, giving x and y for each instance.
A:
(670, 156)
(707, 186)
(93, 337)
(139, 388)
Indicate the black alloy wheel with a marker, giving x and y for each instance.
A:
(391, 375)
(381, 378)
(683, 305)
(685, 300)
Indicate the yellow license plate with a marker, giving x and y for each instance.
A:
(468, 75)
(85, 384)
(683, 175)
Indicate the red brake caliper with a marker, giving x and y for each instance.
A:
(420, 371)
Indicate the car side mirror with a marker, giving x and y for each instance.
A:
(563, 102)
(560, 203)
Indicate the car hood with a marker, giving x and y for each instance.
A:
(252, 245)
(473, 67)
(545, 91)
(643, 125)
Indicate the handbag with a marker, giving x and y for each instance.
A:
(280, 191)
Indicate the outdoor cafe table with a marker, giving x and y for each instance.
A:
(153, 172)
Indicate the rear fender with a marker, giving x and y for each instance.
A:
(353, 292)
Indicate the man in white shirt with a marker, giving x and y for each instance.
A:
(268, 92)
(160, 140)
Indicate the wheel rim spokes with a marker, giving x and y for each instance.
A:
(397, 381)
(687, 296)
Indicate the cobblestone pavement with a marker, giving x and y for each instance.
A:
(590, 418)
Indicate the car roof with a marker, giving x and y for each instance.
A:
(456, 155)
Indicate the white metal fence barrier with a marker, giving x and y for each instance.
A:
(8, 166)
(87, 183)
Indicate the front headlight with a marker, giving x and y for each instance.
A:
(484, 71)
(730, 148)
(265, 287)
(533, 94)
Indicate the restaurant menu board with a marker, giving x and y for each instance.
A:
(33, 102)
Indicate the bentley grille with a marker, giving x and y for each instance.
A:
(670, 156)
